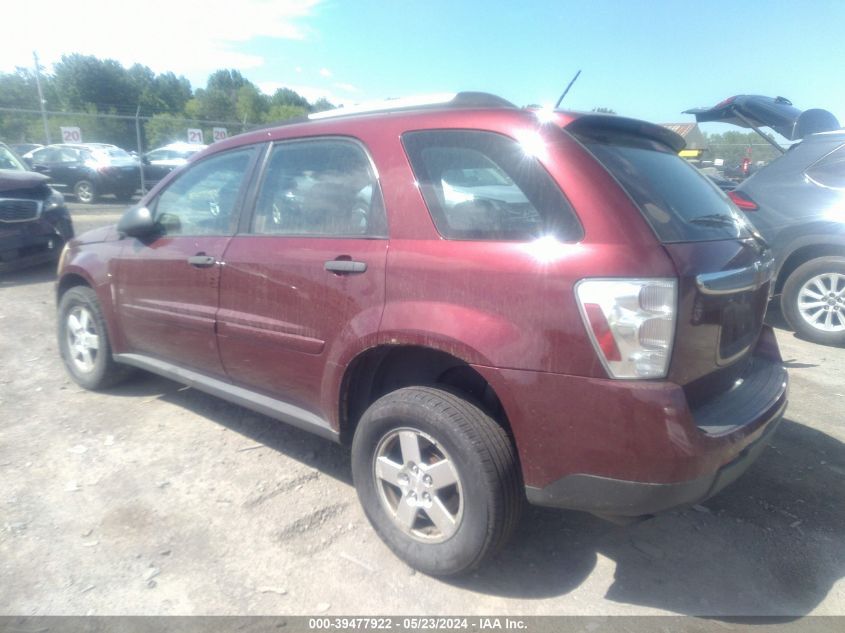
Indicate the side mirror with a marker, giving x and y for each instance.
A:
(136, 222)
(145, 159)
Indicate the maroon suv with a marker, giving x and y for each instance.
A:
(488, 303)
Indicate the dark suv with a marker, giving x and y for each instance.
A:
(487, 303)
(34, 221)
(797, 202)
(88, 170)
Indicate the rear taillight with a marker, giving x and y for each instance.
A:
(742, 201)
(631, 323)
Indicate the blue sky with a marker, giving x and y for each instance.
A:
(648, 60)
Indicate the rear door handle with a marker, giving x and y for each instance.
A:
(345, 266)
(202, 261)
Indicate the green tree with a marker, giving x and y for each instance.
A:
(162, 129)
(250, 104)
(18, 90)
(284, 112)
(733, 146)
(83, 80)
(322, 104)
(288, 97)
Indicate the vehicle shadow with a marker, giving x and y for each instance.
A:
(775, 318)
(37, 274)
(328, 457)
(772, 543)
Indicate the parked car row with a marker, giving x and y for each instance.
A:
(91, 170)
(88, 170)
(160, 162)
(488, 306)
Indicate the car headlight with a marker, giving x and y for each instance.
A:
(54, 201)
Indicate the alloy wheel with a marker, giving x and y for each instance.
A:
(821, 302)
(418, 485)
(83, 340)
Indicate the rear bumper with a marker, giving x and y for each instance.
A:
(619, 498)
(629, 448)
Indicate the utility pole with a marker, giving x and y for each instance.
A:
(140, 146)
(41, 97)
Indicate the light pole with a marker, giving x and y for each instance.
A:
(41, 97)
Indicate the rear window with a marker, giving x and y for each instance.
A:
(830, 171)
(483, 186)
(680, 204)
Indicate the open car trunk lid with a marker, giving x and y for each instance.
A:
(724, 267)
(777, 113)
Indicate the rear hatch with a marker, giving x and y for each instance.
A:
(724, 267)
(777, 113)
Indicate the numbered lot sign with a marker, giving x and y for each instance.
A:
(71, 135)
(220, 133)
(194, 136)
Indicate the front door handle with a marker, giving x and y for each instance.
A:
(345, 266)
(202, 261)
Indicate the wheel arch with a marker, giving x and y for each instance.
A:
(73, 276)
(68, 281)
(384, 368)
(804, 253)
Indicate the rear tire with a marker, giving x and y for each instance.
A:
(84, 343)
(437, 478)
(85, 192)
(813, 300)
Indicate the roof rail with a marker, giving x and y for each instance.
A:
(447, 100)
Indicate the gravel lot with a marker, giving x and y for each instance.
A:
(157, 499)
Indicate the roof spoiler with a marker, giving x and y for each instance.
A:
(590, 124)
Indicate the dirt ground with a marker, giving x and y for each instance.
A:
(157, 499)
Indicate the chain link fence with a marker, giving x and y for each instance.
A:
(138, 132)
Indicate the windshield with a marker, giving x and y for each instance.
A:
(8, 160)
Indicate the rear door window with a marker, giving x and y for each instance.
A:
(483, 186)
(322, 187)
(680, 204)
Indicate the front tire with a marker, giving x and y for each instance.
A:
(813, 300)
(438, 479)
(84, 343)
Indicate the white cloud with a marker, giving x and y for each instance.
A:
(347, 87)
(189, 37)
(325, 72)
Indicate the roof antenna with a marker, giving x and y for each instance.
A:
(557, 105)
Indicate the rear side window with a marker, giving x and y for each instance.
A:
(680, 204)
(830, 171)
(483, 186)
